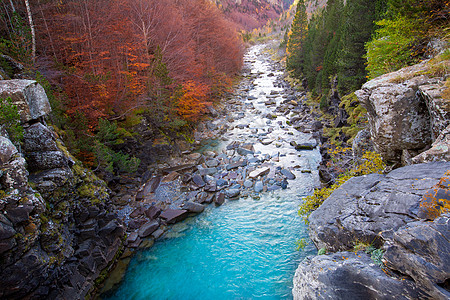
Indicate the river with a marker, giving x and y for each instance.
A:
(246, 248)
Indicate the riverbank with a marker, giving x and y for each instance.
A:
(255, 149)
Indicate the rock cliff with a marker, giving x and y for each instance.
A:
(56, 232)
(409, 112)
(404, 216)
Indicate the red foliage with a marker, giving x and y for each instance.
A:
(107, 49)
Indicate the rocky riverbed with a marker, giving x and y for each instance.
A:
(260, 140)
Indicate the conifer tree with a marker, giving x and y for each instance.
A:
(297, 35)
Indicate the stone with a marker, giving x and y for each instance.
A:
(137, 212)
(421, 250)
(7, 150)
(171, 176)
(232, 193)
(438, 107)
(198, 180)
(19, 214)
(248, 183)
(221, 182)
(149, 187)
(46, 160)
(6, 231)
(398, 116)
(367, 205)
(219, 199)
(288, 174)
(172, 216)
(308, 145)
(207, 171)
(157, 233)
(152, 212)
(39, 138)
(348, 275)
(236, 165)
(266, 142)
(148, 228)
(28, 96)
(212, 163)
(132, 237)
(439, 151)
(361, 143)
(244, 152)
(259, 172)
(259, 186)
(193, 207)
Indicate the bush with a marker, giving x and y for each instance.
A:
(10, 121)
(390, 50)
(371, 162)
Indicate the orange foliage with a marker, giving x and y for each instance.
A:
(193, 103)
(437, 200)
(107, 49)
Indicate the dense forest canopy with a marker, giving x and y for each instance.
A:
(354, 40)
(161, 60)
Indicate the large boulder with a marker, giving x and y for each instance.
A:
(365, 206)
(421, 250)
(29, 97)
(398, 118)
(348, 275)
(439, 151)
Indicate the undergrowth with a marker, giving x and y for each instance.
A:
(371, 162)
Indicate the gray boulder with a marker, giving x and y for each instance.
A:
(439, 151)
(421, 250)
(348, 275)
(365, 206)
(398, 118)
(29, 97)
(193, 207)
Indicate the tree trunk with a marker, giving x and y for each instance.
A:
(33, 34)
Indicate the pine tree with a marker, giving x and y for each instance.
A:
(297, 35)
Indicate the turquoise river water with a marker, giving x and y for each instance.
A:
(244, 249)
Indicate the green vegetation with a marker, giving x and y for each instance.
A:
(371, 162)
(10, 121)
(322, 251)
(301, 244)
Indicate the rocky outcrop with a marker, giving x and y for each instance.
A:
(28, 96)
(391, 212)
(349, 276)
(406, 110)
(57, 233)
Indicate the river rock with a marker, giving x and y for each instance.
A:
(248, 183)
(219, 199)
(28, 96)
(259, 172)
(148, 228)
(193, 207)
(288, 174)
(172, 216)
(212, 163)
(152, 212)
(198, 180)
(232, 192)
(308, 145)
(348, 275)
(367, 205)
(259, 186)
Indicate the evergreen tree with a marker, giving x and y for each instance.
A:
(297, 35)
(358, 27)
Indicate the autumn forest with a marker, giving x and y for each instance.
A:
(113, 60)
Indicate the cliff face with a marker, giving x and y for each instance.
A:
(401, 219)
(56, 234)
(409, 112)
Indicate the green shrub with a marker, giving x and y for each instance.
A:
(10, 121)
(390, 50)
(371, 162)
